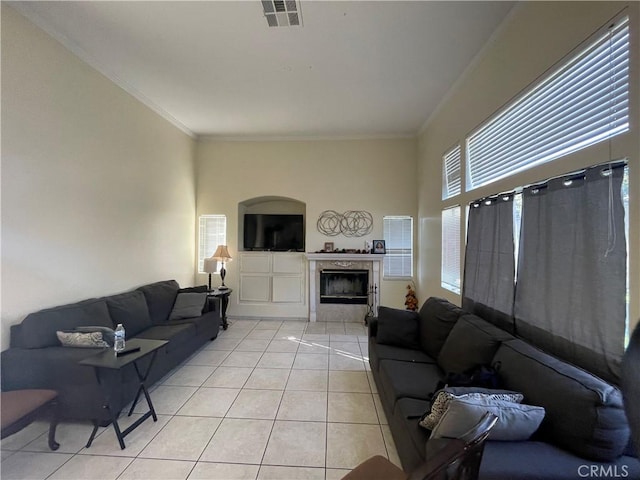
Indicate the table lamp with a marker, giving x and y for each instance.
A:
(210, 266)
(222, 255)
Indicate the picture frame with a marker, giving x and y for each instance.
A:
(379, 247)
(328, 247)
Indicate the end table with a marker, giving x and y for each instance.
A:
(223, 297)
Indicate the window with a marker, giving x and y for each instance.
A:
(450, 275)
(398, 237)
(451, 179)
(212, 232)
(582, 102)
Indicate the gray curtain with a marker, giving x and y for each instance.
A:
(570, 294)
(489, 261)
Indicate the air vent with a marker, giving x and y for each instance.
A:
(282, 13)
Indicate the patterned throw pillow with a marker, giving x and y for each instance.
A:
(443, 397)
(81, 339)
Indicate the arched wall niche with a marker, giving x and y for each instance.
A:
(271, 205)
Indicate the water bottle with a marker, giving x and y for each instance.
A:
(118, 343)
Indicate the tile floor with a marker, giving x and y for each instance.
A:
(265, 400)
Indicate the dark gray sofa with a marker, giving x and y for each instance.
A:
(584, 433)
(36, 359)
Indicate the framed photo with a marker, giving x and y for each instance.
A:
(379, 246)
(328, 247)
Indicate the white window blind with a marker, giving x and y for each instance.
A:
(583, 101)
(398, 237)
(450, 273)
(451, 179)
(212, 232)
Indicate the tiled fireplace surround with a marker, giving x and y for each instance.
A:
(324, 312)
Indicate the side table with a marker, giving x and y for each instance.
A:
(223, 297)
(105, 362)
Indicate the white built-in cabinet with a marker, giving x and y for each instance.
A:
(273, 284)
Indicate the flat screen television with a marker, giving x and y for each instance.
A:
(279, 233)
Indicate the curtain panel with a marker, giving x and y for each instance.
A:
(489, 268)
(571, 287)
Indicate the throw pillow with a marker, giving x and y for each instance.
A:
(108, 334)
(398, 327)
(516, 422)
(81, 339)
(444, 396)
(188, 305)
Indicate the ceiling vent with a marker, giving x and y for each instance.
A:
(282, 13)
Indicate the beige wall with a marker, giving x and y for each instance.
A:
(536, 36)
(378, 176)
(97, 190)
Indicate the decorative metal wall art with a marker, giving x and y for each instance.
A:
(352, 223)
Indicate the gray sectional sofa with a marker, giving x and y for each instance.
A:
(36, 358)
(584, 433)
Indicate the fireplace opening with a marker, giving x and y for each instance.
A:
(344, 286)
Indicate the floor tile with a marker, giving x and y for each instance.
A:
(270, 472)
(314, 346)
(252, 345)
(346, 362)
(300, 444)
(268, 379)
(303, 406)
(351, 408)
(146, 468)
(350, 444)
(315, 337)
(228, 377)
(258, 404)
(242, 359)
(72, 437)
(306, 361)
(313, 380)
(350, 348)
(189, 376)
(392, 453)
(32, 465)
(209, 402)
(268, 325)
(24, 436)
(223, 471)
(382, 418)
(335, 473)
(343, 338)
(88, 467)
(238, 440)
(167, 399)
(283, 346)
(262, 334)
(316, 328)
(106, 442)
(224, 343)
(348, 381)
(209, 358)
(276, 360)
(183, 438)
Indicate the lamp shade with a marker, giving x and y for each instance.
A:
(210, 265)
(222, 254)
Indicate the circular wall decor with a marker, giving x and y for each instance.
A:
(352, 223)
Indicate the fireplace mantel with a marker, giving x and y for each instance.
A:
(341, 260)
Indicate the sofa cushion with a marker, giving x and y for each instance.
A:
(71, 338)
(160, 297)
(437, 318)
(585, 414)
(130, 309)
(39, 328)
(505, 460)
(188, 305)
(472, 342)
(516, 422)
(410, 439)
(176, 334)
(398, 327)
(378, 352)
(404, 379)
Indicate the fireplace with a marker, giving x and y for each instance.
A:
(344, 286)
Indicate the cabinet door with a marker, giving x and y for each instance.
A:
(254, 288)
(288, 289)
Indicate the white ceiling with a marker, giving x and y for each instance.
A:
(355, 68)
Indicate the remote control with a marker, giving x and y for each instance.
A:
(128, 351)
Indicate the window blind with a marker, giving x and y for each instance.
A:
(398, 237)
(212, 232)
(450, 273)
(451, 179)
(583, 101)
